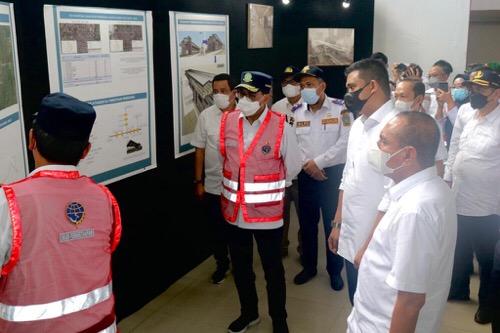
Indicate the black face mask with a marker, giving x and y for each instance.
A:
(352, 101)
(478, 101)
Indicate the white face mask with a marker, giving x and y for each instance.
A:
(247, 107)
(402, 106)
(291, 91)
(378, 159)
(221, 101)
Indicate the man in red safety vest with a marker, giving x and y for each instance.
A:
(57, 232)
(260, 156)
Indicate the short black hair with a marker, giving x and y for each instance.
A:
(445, 66)
(461, 76)
(55, 150)
(372, 69)
(421, 132)
(224, 77)
(417, 85)
(381, 57)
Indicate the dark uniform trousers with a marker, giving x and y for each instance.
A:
(269, 247)
(315, 197)
(475, 235)
(495, 290)
(217, 230)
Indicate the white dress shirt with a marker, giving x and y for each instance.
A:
(474, 162)
(323, 135)
(362, 184)
(288, 109)
(411, 250)
(291, 157)
(206, 135)
(5, 222)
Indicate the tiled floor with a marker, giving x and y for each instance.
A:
(193, 304)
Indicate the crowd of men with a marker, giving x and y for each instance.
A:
(402, 172)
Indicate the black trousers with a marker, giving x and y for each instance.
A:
(269, 247)
(495, 290)
(291, 195)
(475, 235)
(315, 197)
(218, 238)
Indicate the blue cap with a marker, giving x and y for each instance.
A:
(289, 71)
(310, 71)
(65, 117)
(256, 81)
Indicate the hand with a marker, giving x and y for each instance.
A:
(412, 73)
(199, 191)
(443, 97)
(312, 170)
(359, 256)
(333, 240)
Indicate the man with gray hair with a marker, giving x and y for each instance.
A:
(405, 273)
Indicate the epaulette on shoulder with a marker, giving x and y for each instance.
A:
(337, 101)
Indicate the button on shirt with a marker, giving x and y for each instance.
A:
(412, 251)
(291, 157)
(474, 162)
(5, 223)
(206, 136)
(323, 135)
(362, 184)
(288, 109)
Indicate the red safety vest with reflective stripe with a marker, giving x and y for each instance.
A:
(253, 179)
(58, 276)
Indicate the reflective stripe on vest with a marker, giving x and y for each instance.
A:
(264, 198)
(110, 329)
(261, 187)
(230, 184)
(229, 195)
(20, 313)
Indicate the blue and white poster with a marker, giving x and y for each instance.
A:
(199, 48)
(13, 153)
(104, 57)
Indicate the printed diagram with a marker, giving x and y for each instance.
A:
(201, 57)
(131, 130)
(8, 94)
(80, 38)
(125, 38)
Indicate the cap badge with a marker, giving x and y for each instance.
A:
(247, 77)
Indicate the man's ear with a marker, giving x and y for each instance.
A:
(86, 151)
(411, 154)
(31, 140)
(419, 100)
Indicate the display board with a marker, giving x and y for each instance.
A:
(199, 48)
(13, 158)
(104, 57)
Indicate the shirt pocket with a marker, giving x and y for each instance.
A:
(329, 125)
(486, 141)
(303, 130)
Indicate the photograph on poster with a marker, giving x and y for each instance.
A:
(330, 47)
(260, 26)
(200, 44)
(7, 77)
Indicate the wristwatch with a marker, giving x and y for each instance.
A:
(197, 181)
(336, 224)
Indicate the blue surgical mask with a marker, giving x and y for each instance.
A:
(460, 95)
(309, 95)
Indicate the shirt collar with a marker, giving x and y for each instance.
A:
(492, 116)
(399, 189)
(54, 167)
(378, 116)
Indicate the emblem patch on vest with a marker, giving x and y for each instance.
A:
(75, 213)
(266, 149)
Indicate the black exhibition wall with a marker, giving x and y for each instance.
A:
(164, 227)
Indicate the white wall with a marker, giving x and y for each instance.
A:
(422, 31)
(485, 5)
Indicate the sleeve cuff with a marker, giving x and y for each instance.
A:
(394, 283)
(320, 162)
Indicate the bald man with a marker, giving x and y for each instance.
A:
(405, 273)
